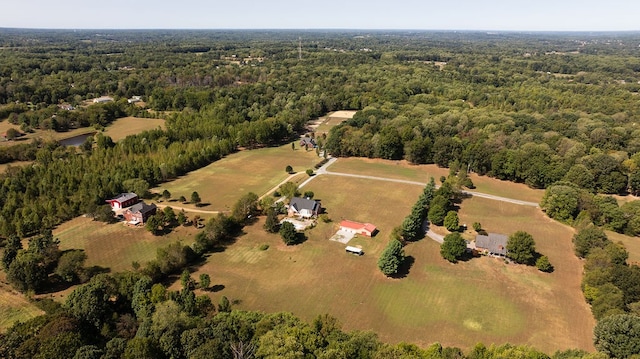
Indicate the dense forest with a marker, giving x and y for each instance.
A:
(555, 111)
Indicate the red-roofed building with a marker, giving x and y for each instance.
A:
(365, 229)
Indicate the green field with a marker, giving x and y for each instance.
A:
(480, 300)
(221, 183)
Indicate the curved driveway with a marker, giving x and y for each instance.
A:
(323, 170)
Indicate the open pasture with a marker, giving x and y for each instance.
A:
(221, 183)
(483, 299)
(126, 126)
(116, 246)
(421, 173)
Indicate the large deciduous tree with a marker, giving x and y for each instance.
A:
(560, 202)
(288, 233)
(521, 247)
(587, 239)
(453, 247)
(245, 207)
(618, 335)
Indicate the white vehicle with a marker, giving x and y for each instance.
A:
(354, 250)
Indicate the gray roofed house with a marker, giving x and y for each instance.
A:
(493, 243)
(139, 212)
(304, 207)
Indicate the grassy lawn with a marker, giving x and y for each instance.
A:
(14, 306)
(126, 126)
(421, 173)
(221, 183)
(116, 246)
(483, 299)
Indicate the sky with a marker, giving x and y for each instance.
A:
(489, 15)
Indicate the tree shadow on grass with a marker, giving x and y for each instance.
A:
(405, 268)
(216, 288)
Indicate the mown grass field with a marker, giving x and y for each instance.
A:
(482, 300)
(221, 183)
(126, 126)
(116, 246)
(14, 306)
(422, 173)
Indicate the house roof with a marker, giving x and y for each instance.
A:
(299, 204)
(493, 242)
(142, 208)
(370, 227)
(357, 225)
(123, 197)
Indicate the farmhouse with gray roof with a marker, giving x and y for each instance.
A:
(493, 244)
(304, 207)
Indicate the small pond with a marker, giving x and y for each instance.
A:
(76, 140)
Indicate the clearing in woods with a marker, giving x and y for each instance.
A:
(481, 300)
(324, 124)
(126, 126)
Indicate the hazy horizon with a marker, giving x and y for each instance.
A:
(464, 15)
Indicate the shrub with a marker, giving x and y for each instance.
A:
(544, 265)
(263, 247)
